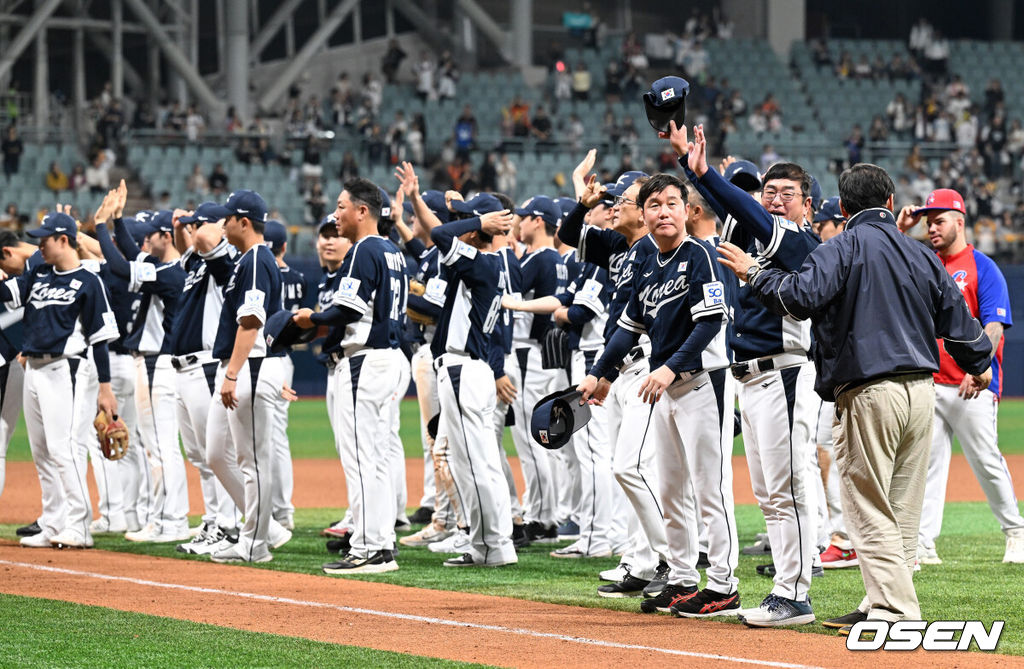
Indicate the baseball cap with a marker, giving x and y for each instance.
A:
(816, 194)
(282, 332)
(623, 183)
(478, 205)
(565, 205)
(943, 199)
(666, 101)
(55, 224)
(327, 221)
(829, 211)
(137, 230)
(434, 199)
(160, 221)
(245, 203)
(557, 416)
(274, 234)
(743, 174)
(542, 206)
(385, 203)
(207, 212)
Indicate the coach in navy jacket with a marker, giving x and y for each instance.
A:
(877, 301)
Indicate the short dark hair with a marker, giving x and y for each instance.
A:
(505, 200)
(258, 225)
(328, 231)
(657, 184)
(365, 192)
(864, 186)
(8, 239)
(792, 172)
(384, 226)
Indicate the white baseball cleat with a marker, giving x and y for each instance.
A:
(41, 540)
(278, 535)
(457, 543)
(430, 534)
(70, 539)
(1014, 547)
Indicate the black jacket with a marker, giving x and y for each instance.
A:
(877, 301)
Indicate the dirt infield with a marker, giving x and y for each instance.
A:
(451, 625)
(320, 484)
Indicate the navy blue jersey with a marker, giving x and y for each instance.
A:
(428, 272)
(254, 289)
(373, 285)
(65, 312)
(202, 297)
(543, 274)
(587, 298)
(473, 302)
(11, 335)
(610, 250)
(159, 287)
(293, 289)
(513, 278)
(324, 299)
(671, 293)
(124, 304)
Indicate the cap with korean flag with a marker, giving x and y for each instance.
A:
(943, 199)
(55, 224)
(243, 203)
(666, 101)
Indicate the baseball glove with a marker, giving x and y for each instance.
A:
(417, 317)
(416, 288)
(554, 352)
(112, 435)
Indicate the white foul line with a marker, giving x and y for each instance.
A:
(406, 616)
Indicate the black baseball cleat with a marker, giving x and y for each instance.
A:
(707, 603)
(375, 563)
(29, 530)
(630, 586)
(657, 583)
(520, 538)
(849, 619)
(422, 516)
(539, 533)
(671, 595)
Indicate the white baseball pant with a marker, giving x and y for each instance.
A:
(242, 432)
(426, 395)
(283, 477)
(500, 414)
(565, 471)
(363, 395)
(532, 383)
(136, 482)
(396, 451)
(196, 385)
(779, 415)
(12, 377)
(59, 454)
(466, 391)
(974, 424)
(156, 404)
(109, 474)
(635, 468)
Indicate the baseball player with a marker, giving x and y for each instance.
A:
(773, 370)
(543, 274)
(249, 379)
(680, 300)
(970, 417)
(158, 279)
(366, 317)
(66, 312)
(15, 257)
(644, 567)
(293, 290)
(207, 271)
(466, 389)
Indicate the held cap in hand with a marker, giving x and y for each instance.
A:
(666, 101)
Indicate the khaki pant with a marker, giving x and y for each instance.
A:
(883, 435)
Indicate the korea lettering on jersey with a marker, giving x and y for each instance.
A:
(543, 274)
(984, 289)
(373, 284)
(671, 293)
(472, 304)
(253, 290)
(759, 332)
(65, 312)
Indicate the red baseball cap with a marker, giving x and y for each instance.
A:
(943, 199)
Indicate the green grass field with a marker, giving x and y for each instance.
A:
(971, 584)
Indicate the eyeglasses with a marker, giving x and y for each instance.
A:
(769, 194)
(619, 201)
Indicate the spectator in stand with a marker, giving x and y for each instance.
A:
(144, 118)
(936, 55)
(770, 110)
(942, 128)
(195, 124)
(163, 201)
(424, 69)
(562, 86)
(447, 77)
(898, 113)
(695, 62)
(878, 68)
(489, 173)
(723, 26)
(581, 82)
(465, 132)
(196, 182)
(373, 92)
(1015, 141)
(396, 134)
(994, 96)
(12, 149)
(349, 167)
(416, 139)
(56, 180)
(311, 170)
(736, 106)
(878, 132)
(506, 172)
(862, 68)
(97, 176)
(218, 181)
(633, 51)
(265, 151)
(574, 132)
(377, 146)
(613, 81)
(844, 68)
(901, 69)
(769, 157)
(610, 129)
(758, 121)
(967, 131)
(393, 58)
(542, 128)
(921, 185)
(246, 152)
(77, 179)
(915, 161)
(920, 37)
(316, 204)
(629, 139)
(516, 118)
(10, 219)
(820, 55)
(343, 85)
(904, 194)
(994, 137)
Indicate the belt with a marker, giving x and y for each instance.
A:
(635, 353)
(745, 370)
(452, 359)
(333, 359)
(180, 362)
(49, 357)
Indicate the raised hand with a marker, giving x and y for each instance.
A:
(593, 192)
(496, 222)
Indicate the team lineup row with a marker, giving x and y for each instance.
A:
(181, 329)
